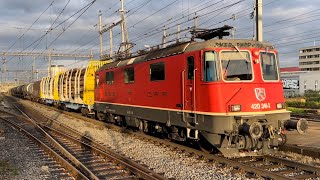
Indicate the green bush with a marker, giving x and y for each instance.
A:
(309, 105)
(296, 110)
(312, 96)
(296, 104)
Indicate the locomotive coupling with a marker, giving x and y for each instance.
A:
(255, 130)
(300, 125)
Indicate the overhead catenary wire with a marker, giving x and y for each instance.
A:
(51, 25)
(198, 5)
(54, 27)
(213, 11)
(223, 17)
(30, 26)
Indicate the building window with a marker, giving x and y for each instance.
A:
(110, 77)
(190, 64)
(129, 75)
(305, 85)
(157, 71)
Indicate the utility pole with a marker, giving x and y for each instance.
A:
(178, 33)
(122, 26)
(110, 34)
(49, 64)
(195, 25)
(5, 67)
(233, 32)
(110, 40)
(100, 32)
(33, 67)
(125, 45)
(259, 30)
(124, 32)
(164, 37)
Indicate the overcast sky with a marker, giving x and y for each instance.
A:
(288, 24)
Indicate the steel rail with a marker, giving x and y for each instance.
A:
(222, 160)
(134, 167)
(74, 171)
(233, 163)
(314, 169)
(99, 150)
(54, 143)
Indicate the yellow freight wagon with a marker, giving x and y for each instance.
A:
(75, 87)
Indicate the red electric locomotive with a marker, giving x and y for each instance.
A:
(225, 94)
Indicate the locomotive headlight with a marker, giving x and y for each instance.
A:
(280, 106)
(235, 108)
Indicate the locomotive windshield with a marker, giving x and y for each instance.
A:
(269, 66)
(236, 65)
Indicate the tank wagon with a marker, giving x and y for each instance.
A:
(224, 94)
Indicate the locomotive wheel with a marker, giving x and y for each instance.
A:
(205, 145)
(163, 134)
(283, 139)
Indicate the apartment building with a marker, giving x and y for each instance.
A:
(309, 58)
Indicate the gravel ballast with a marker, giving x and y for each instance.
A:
(17, 160)
(161, 159)
(158, 158)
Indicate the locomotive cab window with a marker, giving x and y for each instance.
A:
(269, 66)
(236, 66)
(157, 71)
(129, 75)
(210, 72)
(109, 77)
(190, 64)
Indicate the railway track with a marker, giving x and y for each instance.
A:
(268, 167)
(46, 144)
(85, 158)
(308, 117)
(265, 166)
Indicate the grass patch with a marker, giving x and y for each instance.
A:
(297, 110)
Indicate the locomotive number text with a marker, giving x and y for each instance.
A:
(261, 106)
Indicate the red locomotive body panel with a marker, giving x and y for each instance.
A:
(143, 92)
(226, 94)
(211, 97)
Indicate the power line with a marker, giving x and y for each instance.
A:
(30, 26)
(52, 28)
(153, 14)
(51, 25)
